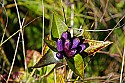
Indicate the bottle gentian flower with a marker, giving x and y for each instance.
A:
(68, 46)
(65, 35)
(59, 55)
(71, 53)
(76, 41)
(82, 47)
(59, 45)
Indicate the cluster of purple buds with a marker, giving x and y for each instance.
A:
(68, 46)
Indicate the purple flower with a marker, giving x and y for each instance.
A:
(76, 41)
(82, 47)
(59, 45)
(59, 55)
(65, 35)
(71, 53)
(67, 45)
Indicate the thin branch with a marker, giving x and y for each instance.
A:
(42, 39)
(31, 75)
(122, 65)
(54, 75)
(17, 42)
(14, 56)
(19, 30)
(4, 31)
(104, 10)
(72, 15)
(9, 37)
(21, 34)
(43, 27)
(63, 12)
(108, 53)
(114, 28)
(6, 22)
(112, 77)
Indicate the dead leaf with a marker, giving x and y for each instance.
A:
(95, 46)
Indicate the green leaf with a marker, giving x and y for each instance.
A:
(47, 59)
(51, 44)
(76, 64)
(58, 27)
(79, 64)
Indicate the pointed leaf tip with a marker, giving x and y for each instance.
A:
(95, 46)
(47, 59)
(58, 27)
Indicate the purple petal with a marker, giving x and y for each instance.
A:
(59, 55)
(67, 45)
(71, 53)
(65, 35)
(82, 47)
(59, 45)
(75, 43)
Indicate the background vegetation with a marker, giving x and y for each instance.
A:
(105, 66)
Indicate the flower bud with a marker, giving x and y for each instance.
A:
(59, 45)
(82, 47)
(66, 35)
(67, 45)
(75, 43)
(59, 55)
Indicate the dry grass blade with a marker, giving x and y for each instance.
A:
(123, 57)
(14, 56)
(21, 24)
(114, 27)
